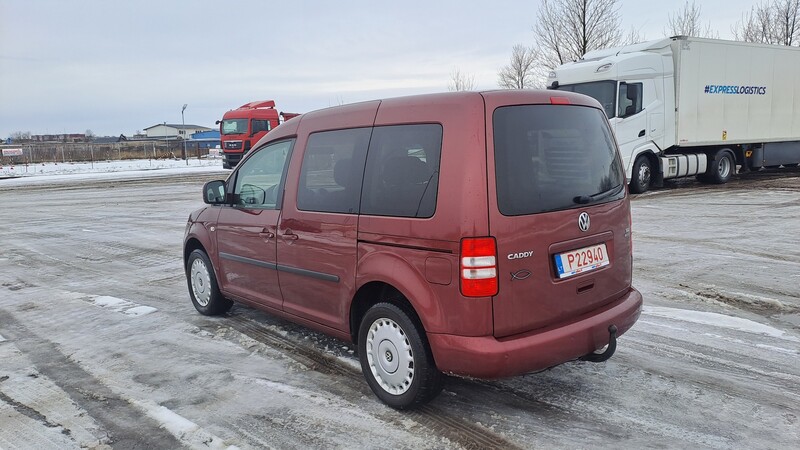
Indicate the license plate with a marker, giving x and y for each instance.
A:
(581, 260)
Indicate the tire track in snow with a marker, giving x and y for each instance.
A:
(125, 425)
(438, 420)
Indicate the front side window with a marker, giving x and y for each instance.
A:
(260, 125)
(259, 179)
(234, 126)
(630, 99)
(554, 157)
(402, 172)
(332, 171)
(604, 92)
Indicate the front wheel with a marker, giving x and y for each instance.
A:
(203, 288)
(642, 174)
(396, 359)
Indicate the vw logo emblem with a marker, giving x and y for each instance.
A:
(584, 222)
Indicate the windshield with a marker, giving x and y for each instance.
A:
(554, 157)
(234, 126)
(604, 92)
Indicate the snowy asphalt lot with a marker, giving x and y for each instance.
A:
(100, 346)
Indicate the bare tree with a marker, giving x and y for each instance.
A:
(522, 71)
(460, 81)
(567, 29)
(776, 22)
(686, 22)
(18, 136)
(89, 135)
(634, 36)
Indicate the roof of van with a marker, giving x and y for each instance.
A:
(492, 99)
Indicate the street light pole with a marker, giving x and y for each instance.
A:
(183, 122)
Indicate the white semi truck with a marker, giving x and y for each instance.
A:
(685, 106)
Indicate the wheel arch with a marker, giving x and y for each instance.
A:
(649, 150)
(191, 245)
(375, 292)
(387, 277)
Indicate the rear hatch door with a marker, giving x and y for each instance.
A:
(559, 213)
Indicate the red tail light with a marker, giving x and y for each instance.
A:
(478, 267)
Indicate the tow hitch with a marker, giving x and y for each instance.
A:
(610, 349)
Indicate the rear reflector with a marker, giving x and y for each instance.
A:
(559, 101)
(478, 267)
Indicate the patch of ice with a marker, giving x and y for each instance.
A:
(354, 363)
(717, 320)
(137, 311)
(182, 428)
(119, 305)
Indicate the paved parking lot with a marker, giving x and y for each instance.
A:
(101, 347)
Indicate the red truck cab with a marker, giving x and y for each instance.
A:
(242, 127)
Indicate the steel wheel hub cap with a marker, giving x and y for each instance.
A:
(644, 175)
(201, 282)
(390, 357)
(724, 167)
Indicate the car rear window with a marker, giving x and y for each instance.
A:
(554, 157)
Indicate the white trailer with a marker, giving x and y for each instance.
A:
(685, 106)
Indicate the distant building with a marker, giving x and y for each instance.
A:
(169, 131)
(75, 137)
(205, 139)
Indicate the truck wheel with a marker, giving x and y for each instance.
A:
(642, 173)
(396, 359)
(720, 168)
(203, 288)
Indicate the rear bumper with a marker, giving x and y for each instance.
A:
(488, 357)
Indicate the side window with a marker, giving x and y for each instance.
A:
(260, 125)
(630, 99)
(402, 172)
(259, 179)
(332, 171)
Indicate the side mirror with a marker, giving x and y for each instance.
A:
(214, 192)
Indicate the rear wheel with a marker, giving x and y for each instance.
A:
(720, 168)
(642, 174)
(396, 358)
(203, 288)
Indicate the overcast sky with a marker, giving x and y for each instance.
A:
(120, 66)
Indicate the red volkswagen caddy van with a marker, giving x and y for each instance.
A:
(477, 234)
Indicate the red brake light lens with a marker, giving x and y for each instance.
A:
(559, 101)
(478, 267)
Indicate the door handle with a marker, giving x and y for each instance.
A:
(267, 234)
(290, 236)
(641, 133)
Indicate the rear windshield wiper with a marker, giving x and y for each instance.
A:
(585, 199)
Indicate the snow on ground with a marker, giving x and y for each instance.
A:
(100, 345)
(137, 168)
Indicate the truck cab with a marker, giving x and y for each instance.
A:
(634, 84)
(242, 127)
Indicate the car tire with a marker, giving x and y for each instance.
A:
(642, 175)
(396, 358)
(203, 288)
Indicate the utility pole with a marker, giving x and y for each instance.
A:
(183, 123)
